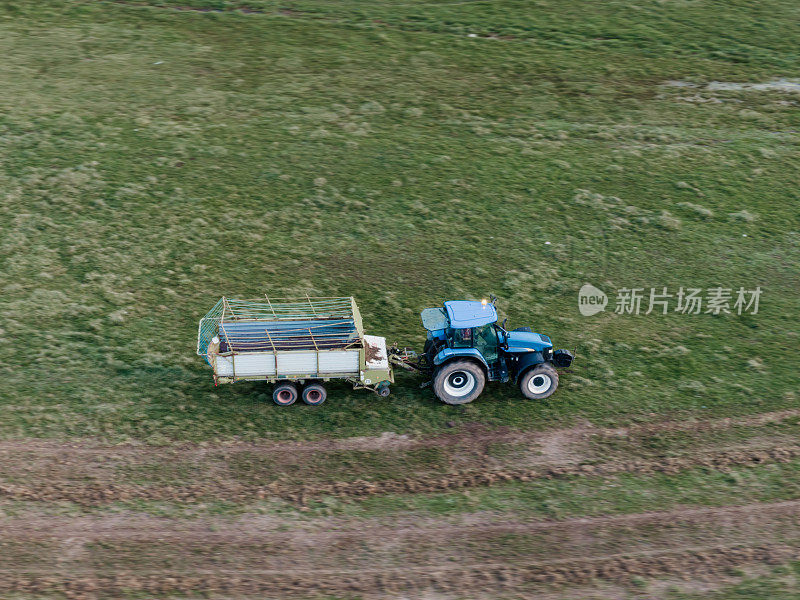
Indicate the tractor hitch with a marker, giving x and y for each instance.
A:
(405, 358)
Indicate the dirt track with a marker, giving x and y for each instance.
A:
(103, 553)
(404, 542)
(470, 434)
(111, 554)
(520, 580)
(94, 474)
(126, 526)
(101, 492)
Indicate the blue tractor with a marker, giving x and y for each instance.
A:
(466, 346)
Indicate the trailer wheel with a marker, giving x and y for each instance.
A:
(285, 394)
(458, 382)
(383, 391)
(314, 394)
(539, 382)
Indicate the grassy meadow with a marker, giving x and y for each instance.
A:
(155, 156)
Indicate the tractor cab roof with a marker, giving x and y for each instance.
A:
(463, 314)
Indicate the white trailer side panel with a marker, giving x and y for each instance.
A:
(297, 363)
(252, 364)
(344, 361)
(258, 364)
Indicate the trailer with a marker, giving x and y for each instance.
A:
(296, 343)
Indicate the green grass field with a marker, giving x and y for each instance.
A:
(156, 155)
(155, 159)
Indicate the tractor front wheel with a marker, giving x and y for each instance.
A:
(458, 382)
(539, 382)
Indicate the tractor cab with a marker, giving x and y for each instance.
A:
(466, 328)
(463, 324)
(464, 333)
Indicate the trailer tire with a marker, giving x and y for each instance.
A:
(458, 381)
(285, 393)
(314, 394)
(539, 383)
(383, 391)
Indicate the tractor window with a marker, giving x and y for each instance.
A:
(462, 338)
(486, 342)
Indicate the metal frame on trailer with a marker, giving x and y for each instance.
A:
(286, 328)
(230, 310)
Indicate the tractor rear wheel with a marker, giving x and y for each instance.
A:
(458, 381)
(314, 394)
(285, 393)
(539, 382)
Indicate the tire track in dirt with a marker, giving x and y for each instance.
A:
(144, 527)
(152, 543)
(453, 578)
(473, 434)
(718, 460)
(91, 473)
(99, 493)
(139, 526)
